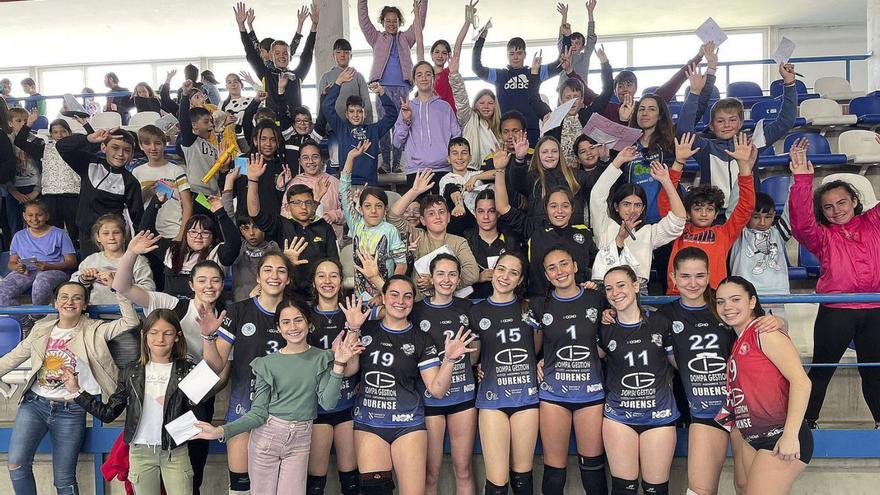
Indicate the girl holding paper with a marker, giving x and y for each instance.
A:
(147, 390)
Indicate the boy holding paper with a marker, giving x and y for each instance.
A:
(435, 218)
(159, 176)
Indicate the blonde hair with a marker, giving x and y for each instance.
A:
(567, 172)
(495, 122)
(110, 218)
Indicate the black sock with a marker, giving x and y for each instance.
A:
(655, 488)
(593, 474)
(621, 486)
(348, 482)
(522, 483)
(553, 482)
(377, 483)
(493, 489)
(315, 485)
(239, 482)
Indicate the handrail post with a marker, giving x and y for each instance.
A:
(847, 62)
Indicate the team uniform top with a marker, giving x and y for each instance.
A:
(327, 326)
(701, 345)
(639, 376)
(507, 355)
(439, 322)
(757, 397)
(250, 329)
(570, 329)
(389, 396)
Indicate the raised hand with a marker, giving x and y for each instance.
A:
(454, 63)
(565, 59)
(376, 88)
(625, 111)
(293, 249)
(187, 87)
(33, 115)
(214, 201)
(240, 10)
(360, 149)
(591, 6)
(353, 308)
(710, 51)
(744, 152)
(424, 181)
(405, 111)
(660, 172)
(248, 78)
(314, 14)
(301, 17)
(369, 263)
(787, 73)
(347, 348)
(251, 15)
(536, 61)
(696, 78)
(255, 167)
(321, 188)
(208, 322)
(100, 135)
(143, 243)
(282, 83)
(455, 348)
(684, 147)
(600, 53)
(626, 155)
(521, 146)
(500, 159)
(562, 8)
(345, 76)
(170, 75)
(799, 164)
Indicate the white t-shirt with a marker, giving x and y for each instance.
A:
(149, 430)
(189, 323)
(49, 383)
(171, 213)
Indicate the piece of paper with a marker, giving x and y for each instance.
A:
(199, 382)
(29, 263)
(479, 31)
(711, 31)
(783, 51)
(557, 116)
(203, 200)
(617, 136)
(183, 428)
(758, 138)
(464, 292)
(491, 261)
(164, 188)
(241, 165)
(423, 264)
(167, 122)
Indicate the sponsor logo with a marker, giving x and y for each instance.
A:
(665, 413)
(638, 380)
(511, 356)
(425, 325)
(408, 349)
(732, 369)
(402, 417)
(677, 326)
(596, 387)
(737, 396)
(248, 329)
(485, 324)
(744, 348)
(657, 339)
(357, 411)
(546, 387)
(379, 379)
(490, 395)
(707, 363)
(519, 82)
(366, 340)
(547, 319)
(463, 319)
(592, 314)
(612, 345)
(573, 353)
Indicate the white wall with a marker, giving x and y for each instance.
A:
(819, 40)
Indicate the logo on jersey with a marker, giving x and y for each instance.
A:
(408, 349)
(657, 339)
(707, 363)
(379, 379)
(402, 417)
(663, 414)
(612, 345)
(592, 314)
(546, 387)
(366, 340)
(490, 395)
(578, 238)
(744, 348)
(638, 380)
(677, 326)
(485, 324)
(463, 320)
(547, 319)
(737, 396)
(519, 82)
(357, 411)
(511, 356)
(425, 325)
(573, 353)
(248, 329)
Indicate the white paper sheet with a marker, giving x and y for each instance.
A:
(557, 116)
(758, 138)
(783, 51)
(423, 264)
(183, 428)
(199, 382)
(491, 261)
(464, 292)
(711, 31)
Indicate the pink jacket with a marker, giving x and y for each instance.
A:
(381, 42)
(849, 255)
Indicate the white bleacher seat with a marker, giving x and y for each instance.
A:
(835, 88)
(862, 185)
(75, 127)
(860, 147)
(392, 179)
(346, 256)
(142, 119)
(823, 112)
(106, 120)
(393, 197)
(43, 134)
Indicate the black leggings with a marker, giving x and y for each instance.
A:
(832, 333)
(198, 449)
(62, 213)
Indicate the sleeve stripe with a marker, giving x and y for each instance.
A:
(226, 335)
(429, 363)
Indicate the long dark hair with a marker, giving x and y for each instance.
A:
(664, 132)
(269, 124)
(178, 351)
(4, 117)
(750, 291)
(340, 296)
(824, 188)
(297, 304)
(620, 193)
(180, 250)
(520, 290)
(692, 253)
(274, 253)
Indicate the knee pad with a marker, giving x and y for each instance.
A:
(493, 489)
(522, 483)
(315, 485)
(655, 489)
(553, 482)
(377, 483)
(593, 474)
(620, 486)
(348, 482)
(239, 482)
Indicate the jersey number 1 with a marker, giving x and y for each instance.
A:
(642, 356)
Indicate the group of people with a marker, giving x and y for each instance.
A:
(499, 295)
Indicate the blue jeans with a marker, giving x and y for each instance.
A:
(66, 424)
(385, 146)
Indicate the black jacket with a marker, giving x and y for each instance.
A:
(129, 397)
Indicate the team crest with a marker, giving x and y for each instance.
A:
(366, 340)
(485, 324)
(657, 339)
(408, 349)
(463, 320)
(592, 314)
(578, 238)
(744, 348)
(547, 319)
(425, 325)
(612, 345)
(248, 329)
(677, 326)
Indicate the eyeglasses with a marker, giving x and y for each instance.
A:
(302, 121)
(195, 234)
(63, 298)
(300, 203)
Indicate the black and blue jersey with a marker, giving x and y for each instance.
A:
(327, 325)
(390, 366)
(440, 322)
(570, 331)
(507, 355)
(701, 345)
(638, 381)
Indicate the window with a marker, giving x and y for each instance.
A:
(129, 75)
(15, 78)
(57, 82)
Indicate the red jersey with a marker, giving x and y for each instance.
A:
(757, 392)
(443, 89)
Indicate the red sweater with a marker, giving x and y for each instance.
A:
(443, 89)
(715, 240)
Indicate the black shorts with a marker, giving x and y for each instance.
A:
(510, 411)
(574, 406)
(643, 428)
(449, 410)
(708, 422)
(805, 437)
(334, 419)
(388, 434)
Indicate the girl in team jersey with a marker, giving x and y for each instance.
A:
(440, 316)
(571, 390)
(508, 395)
(767, 395)
(640, 410)
(332, 428)
(389, 422)
(249, 327)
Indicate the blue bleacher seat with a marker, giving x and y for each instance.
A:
(766, 109)
(742, 89)
(649, 90)
(715, 94)
(867, 108)
(41, 123)
(818, 149)
(803, 93)
(10, 334)
(808, 261)
(777, 188)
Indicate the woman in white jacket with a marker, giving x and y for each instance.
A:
(619, 225)
(481, 122)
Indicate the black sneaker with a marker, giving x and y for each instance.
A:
(812, 424)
